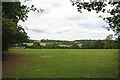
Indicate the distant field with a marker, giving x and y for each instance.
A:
(30, 44)
(62, 63)
(43, 44)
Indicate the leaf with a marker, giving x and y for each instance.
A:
(103, 10)
(32, 6)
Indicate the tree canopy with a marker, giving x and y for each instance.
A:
(12, 33)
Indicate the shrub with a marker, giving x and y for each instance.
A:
(36, 45)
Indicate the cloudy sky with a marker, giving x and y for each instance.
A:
(60, 20)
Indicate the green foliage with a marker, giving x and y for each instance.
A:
(87, 44)
(98, 44)
(14, 10)
(12, 33)
(52, 46)
(8, 27)
(62, 45)
(79, 44)
(109, 37)
(17, 11)
(22, 45)
(36, 45)
(109, 43)
(74, 46)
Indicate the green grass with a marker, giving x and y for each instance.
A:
(43, 44)
(29, 44)
(66, 63)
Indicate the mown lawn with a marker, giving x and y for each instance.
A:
(64, 63)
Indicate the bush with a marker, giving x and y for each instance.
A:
(74, 46)
(52, 46)
(36, 45)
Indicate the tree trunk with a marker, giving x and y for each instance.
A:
(118, 56)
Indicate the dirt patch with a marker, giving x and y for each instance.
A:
(11, 62)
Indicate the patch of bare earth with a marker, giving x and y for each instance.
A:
(11, 62)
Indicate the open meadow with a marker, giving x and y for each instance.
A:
(61, 63)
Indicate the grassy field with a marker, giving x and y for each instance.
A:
(63, 63)
(30, 44)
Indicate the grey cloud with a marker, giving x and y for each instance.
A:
(48, 32)
(37, 30)
(56, 4)
(73, 18)
(81, 16)
(59, 32)
(61, 21)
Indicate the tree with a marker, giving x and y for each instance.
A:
(98, 44)
(16, 11)
(12, 33)
(108, 42)
(88, 44)
(109, 37)
(36, 45)
(74, 46)
(52, 46)
(113, 20)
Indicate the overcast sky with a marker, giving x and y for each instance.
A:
(61, 21)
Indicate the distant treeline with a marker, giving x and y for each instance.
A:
(47, 40)
(99, 44)
(76, 44)
(83, 44)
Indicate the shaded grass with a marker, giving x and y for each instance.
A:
(66, 63)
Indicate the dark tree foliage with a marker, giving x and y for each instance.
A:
(36, 45)
(16, 11)
(88, 44)
(74, 46)
(109, 42)
(52, 46)
(12, 33)
(98, 44)
(22, 45)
